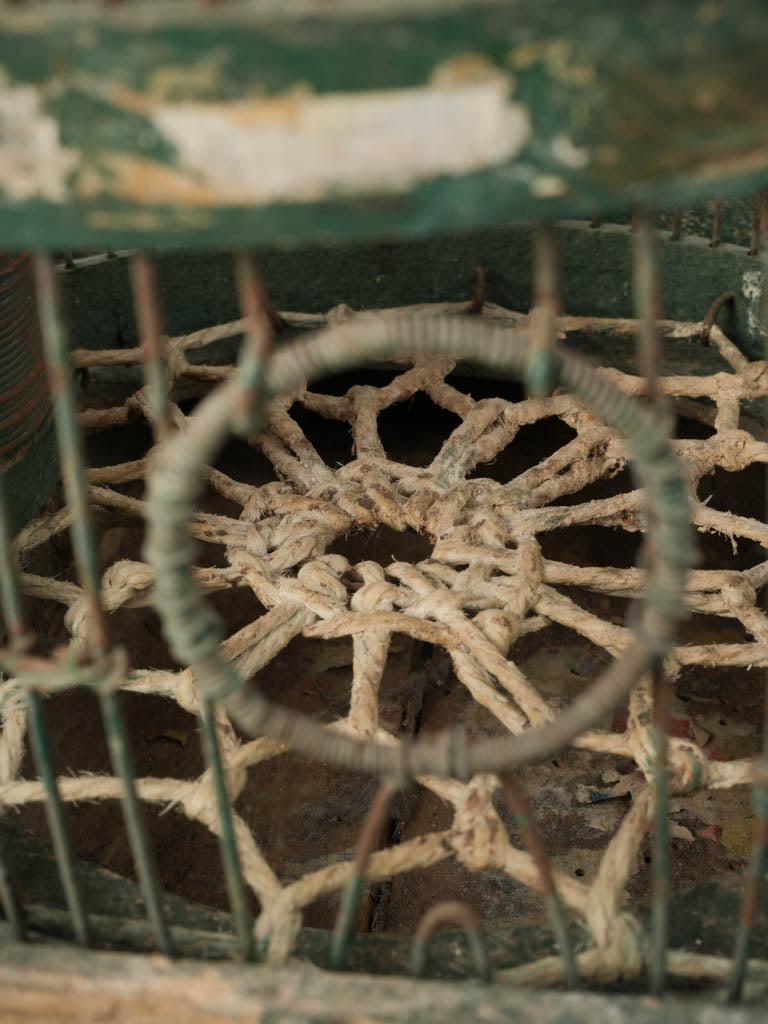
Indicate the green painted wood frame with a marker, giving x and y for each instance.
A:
(293, 121)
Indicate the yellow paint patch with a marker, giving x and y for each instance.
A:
(278, 110)
(468, 67)
(117, 220)
(173, 81)
(737, 835)
(164, 85)
(145, 181)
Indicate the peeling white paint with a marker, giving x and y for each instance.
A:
(751, 289)
(567, 153)
(548, 186)
(307, 146)
(33, 162)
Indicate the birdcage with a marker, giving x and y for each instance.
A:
(407, 569)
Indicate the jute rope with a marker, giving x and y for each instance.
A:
(485, 584)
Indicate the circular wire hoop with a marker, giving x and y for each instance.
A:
(194, 634)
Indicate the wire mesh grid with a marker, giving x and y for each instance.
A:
(485, 584)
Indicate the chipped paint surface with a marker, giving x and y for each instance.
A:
(568, 154)
(306, 146)
(298, 146)
(33, 162)
(430, 113)
(751, 289)
(548, 186)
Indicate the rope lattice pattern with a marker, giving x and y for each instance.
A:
(485, 584)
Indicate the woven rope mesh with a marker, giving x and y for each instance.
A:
(484, 585)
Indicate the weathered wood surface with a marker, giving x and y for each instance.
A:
(146, 123)
(61, 983)
(704, 918)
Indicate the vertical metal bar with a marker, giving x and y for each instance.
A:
(478, 301)
(54, 809)
(763, 198)
(754, 244)
(661, 837)
(238, 897)
(369, 834)
(262, 320)
(10, 600)
(523, 816)
(750, 904)
(255, 306)
(649, 352)
(647, 304)
(152, 339)
(758, 861)
(114, 728)
(11, 907)
(55, 345)
(56, 350)
(717, 223)
(539, 377)
(10, 594)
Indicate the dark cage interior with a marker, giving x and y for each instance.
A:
(389, 598)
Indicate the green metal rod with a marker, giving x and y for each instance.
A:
(649, 354)
(10, 600)
(41, 750)
(114, 728)
(152, 339)
(540, 372)
(10, 595)
(11, 906)
(56, 347)
(647, 303)
(521, 811)
(350, 897)
(194, 631)
(661, 839)
(753, 888)
(238, 897)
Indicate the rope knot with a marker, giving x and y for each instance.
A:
(476, 824)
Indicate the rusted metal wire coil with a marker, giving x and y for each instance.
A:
(24, 402)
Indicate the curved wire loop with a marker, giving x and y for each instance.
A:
(193, 629)
(518, 803)
(373, 824)
(451, 910)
